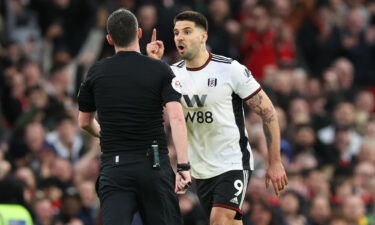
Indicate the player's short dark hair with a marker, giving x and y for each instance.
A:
(198, 18)
(122, 26)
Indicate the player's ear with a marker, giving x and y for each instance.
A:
(205, 37)
(110, 40)
(139, 33)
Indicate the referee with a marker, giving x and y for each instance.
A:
(129, 91)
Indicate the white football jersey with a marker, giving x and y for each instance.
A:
(212, 99)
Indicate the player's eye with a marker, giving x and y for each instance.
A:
(187, 32)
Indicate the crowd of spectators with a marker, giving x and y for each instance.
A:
(314, 58)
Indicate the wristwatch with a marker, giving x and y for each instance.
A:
(183, 167)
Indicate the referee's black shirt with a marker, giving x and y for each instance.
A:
(128, 90)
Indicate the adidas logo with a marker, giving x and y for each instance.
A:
(234, 200)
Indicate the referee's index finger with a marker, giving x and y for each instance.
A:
(153, 37)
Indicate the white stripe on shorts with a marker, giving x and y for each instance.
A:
(245, 178)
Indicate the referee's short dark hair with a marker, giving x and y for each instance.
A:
(198, 18)
(122, 26)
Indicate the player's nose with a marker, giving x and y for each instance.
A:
(179, 37)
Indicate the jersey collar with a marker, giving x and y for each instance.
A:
(204, 65)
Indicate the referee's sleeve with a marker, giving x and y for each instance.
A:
(169, 94)
(86, 101)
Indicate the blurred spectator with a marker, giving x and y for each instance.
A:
(65, 22)
(367, 151)
(58, 82)
(257, 189)
(342, 187)
(261, 44)
(13, 98)
(26, 175)
(90, 202)
(316, 183)
(371, 190)
(23, 28)
(5, 166)
(355, 211)
(147, 18)
(72, 211)
(303, 140)
(62, 170)
(370, 128)
(66, 140)
(338, 220)
(29, 149)
(319, 41)
(262, 213)
(44, 211)
(281, 91)
(363, 172)
(292, 206)
(32, 73)
(320, 210)
(343, 116)
(365, 105)
(52, 189)
(87, 167)
(223, 31)
(356, 47)
(299, 111)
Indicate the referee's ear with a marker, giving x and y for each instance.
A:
(109, 39)
(139, 33)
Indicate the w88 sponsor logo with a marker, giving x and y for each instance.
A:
(199, 117)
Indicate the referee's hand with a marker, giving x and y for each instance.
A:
(183, 182)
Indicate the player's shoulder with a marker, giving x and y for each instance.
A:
(221, 59)
(179, 64)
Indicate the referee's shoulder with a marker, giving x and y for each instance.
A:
(154, 62)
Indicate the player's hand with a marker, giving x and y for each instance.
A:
(276, 174)
(155, 49)
(183, 182)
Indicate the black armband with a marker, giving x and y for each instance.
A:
(183, 167)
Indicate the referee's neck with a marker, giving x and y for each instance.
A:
(133, 47)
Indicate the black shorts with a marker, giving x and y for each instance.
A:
(227, 190)
(131, 184)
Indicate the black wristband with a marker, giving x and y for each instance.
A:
(183, 167)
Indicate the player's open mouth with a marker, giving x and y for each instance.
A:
(181, 48)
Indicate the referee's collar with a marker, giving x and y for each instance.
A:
(125, 53)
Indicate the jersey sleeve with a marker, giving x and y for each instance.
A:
(169, 93)
(86, 100)
(243, 82)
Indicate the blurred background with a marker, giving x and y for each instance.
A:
(314, 58)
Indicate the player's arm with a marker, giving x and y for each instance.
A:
(155, 49)
(262, 105)
(179, 135)
(87, 121)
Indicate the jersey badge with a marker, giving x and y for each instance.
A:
(212, 82)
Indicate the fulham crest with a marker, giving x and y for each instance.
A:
(212, 82)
